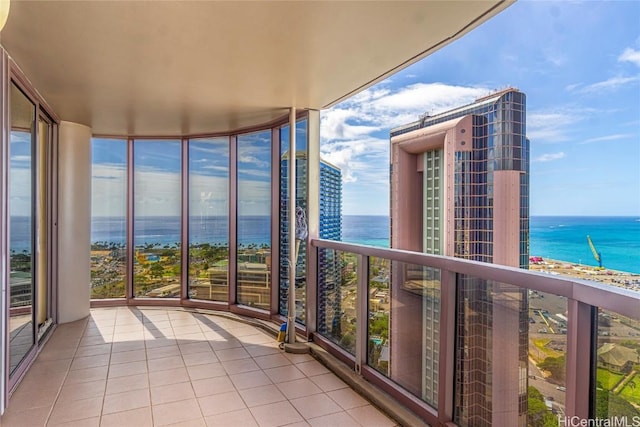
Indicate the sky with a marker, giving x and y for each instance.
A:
(578, 64)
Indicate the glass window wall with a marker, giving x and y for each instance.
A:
(254, 220)
(209, 219)
(108, 218)
(157, 218)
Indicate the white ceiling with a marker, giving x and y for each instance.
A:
(190, 67)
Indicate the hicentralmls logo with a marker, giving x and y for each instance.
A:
(576, 421)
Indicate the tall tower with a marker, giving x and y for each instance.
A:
(460, 187)
(329, 272)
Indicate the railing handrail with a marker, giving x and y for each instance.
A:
(621, 300)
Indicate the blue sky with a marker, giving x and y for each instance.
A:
(579, 65)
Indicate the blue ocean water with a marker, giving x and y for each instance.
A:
(556, 237)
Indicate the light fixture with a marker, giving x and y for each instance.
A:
(4, 12)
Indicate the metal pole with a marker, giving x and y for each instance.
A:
(291, 318)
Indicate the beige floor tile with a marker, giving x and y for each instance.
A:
(312, 368)
(240, 366)
(175, 412)
(261, 395)
(93, 340)
(82, 391)
(128, 356)
(298, 358)
(170, 376)
(160, 342)
(200, 358)
(250, 380)
(347, 398)
(87, 422)
(44, 368)
(90, 361)
(298, 388)
(224, 343)
(33, 397)
(198, 422)
(221, 403)
(262, 349)
(209, 386)
(51, 353)
(165, 363)
(93, 350)
(163, 351)
(86, 375)
(232, 354)
(119, 402)
(75, 410)
(127, 346)
(211, 370)
(242, 418)
(31, 417)
(171, 393)
(284, 373)
(315, 406)
(339, 419)
(140, 417)
(328, 382)
(257, 338)
(196, 347)
(370, 416)
(127, 383)
(186, 329)
(125, 369)
(272, 361)
(276, 414)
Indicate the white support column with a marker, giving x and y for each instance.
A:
(291, 318)
(74, 221)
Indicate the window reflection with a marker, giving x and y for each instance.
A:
(21, 226)
(157, 213)
(108, 218)
(254, 220)
(209, 219)
(301, 201)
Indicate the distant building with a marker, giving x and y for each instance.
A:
(329, 272)
(460, 187)
(617, 357)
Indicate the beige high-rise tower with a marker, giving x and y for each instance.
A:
(460, 187)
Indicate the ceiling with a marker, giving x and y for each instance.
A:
(193, 67)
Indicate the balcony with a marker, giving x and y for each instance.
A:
(410, 326)
(142, 367)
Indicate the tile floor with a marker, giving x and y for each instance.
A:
(163, 367)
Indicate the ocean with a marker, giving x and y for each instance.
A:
(557, 237)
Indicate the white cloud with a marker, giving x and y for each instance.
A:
(549, 157)
(613, 137)
(551, 126)
(610, 84)
(630, 55)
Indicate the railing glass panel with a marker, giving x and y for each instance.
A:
(617, 388)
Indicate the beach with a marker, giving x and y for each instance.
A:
(580, 271)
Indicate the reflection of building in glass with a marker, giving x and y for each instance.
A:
(330, 228)
(459, 187)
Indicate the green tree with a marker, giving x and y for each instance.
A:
(156, 270)
(610, 405)
(538, 414)
(556, 367)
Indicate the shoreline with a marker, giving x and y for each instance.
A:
(622, 279)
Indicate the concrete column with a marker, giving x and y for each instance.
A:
(74, 221)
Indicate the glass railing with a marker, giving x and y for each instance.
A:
(472, 343)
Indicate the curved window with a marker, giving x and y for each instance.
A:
(157, 218)
(254, 220)
(108, 218)
(209, 219)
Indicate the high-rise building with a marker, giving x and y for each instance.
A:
(460, 187)
(329, 273)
